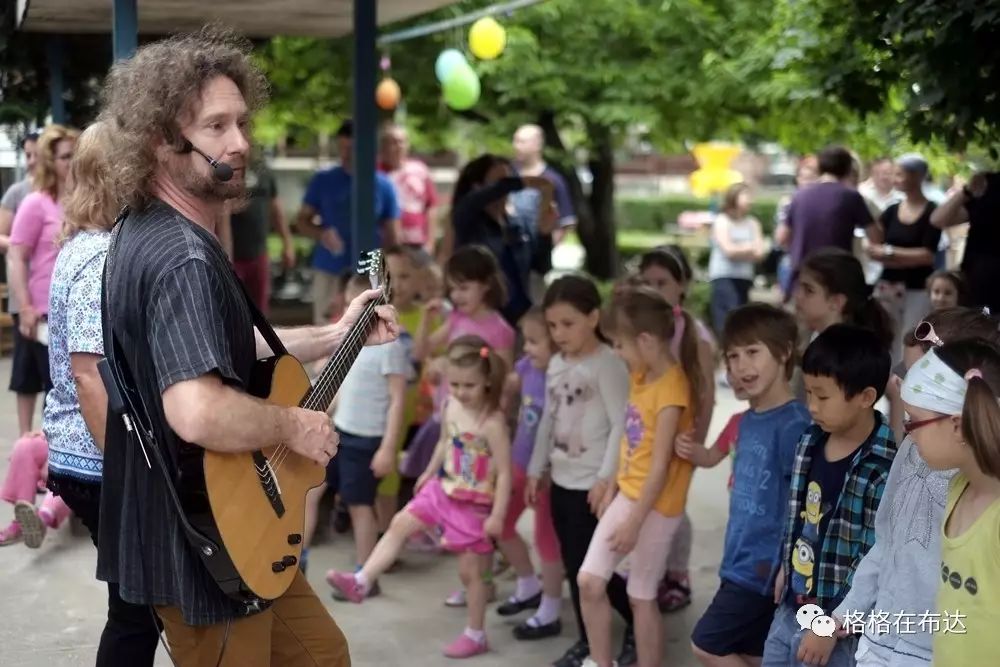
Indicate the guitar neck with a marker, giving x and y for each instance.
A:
(327, 384)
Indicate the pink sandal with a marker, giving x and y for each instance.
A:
(12, 534)
(465, 646)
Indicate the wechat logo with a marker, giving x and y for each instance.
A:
(811, 617)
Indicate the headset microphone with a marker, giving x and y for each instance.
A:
(222, 171)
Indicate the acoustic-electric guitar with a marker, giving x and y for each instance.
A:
(257, 499)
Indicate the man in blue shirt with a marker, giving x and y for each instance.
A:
(325, 216)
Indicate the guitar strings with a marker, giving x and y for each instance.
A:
(330, 380)
(327, 380)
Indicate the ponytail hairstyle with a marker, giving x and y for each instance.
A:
(839, 272)
(473, 352)
(578, 291)
(643, 310)
(979, 363)
(477, 264)
(954, 324)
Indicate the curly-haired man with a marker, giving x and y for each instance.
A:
(186, 332)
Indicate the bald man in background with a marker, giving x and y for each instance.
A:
(529, 143)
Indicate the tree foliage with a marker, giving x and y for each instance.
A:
(931, 65)
(24, 74)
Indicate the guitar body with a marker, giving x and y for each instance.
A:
(261, 523)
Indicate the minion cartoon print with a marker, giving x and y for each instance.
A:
(804, 549)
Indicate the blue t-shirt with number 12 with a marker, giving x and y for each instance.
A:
(762, 473)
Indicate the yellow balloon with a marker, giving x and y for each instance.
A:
(487, 38)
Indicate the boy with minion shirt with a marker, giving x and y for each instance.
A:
(841, 466)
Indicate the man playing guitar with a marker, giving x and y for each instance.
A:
(182, 111)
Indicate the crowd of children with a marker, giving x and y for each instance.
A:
(837, 509)
(608, 406)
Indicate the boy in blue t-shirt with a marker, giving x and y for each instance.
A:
(759, 347)
(841, 466)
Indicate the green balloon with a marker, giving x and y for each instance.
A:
(462, 88)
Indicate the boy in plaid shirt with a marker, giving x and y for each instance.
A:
(841, 466)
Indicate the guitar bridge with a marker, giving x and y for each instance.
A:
(269, 482)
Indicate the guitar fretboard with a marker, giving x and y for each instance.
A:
(328, 382)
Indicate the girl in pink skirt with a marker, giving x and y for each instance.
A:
(464, 491)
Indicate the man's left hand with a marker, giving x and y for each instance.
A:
(816, 650)
(387, 325)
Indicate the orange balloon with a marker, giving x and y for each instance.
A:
(387, 94)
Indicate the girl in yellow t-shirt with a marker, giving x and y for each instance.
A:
(951, 399)
(641, 512)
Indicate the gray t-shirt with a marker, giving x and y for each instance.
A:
(363, 399)
(583, 420)
(12, 201)
(899, 574)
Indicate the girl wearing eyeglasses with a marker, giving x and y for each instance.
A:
(900, 574)
(951, 395)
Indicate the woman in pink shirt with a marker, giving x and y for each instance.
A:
(33, 253)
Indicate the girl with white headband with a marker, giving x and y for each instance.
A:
(900, 573)
(951, 397)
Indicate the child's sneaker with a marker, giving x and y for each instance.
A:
(374, 591)
(465, 646)
(347, 585)
(456, 599)
(32, 525)
(12, 534)
(590, 662)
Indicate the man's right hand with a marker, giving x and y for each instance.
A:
(309, 433)
(331, 241)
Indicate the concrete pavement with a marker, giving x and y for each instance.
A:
(53, 610)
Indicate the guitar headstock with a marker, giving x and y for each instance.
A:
(373, 264)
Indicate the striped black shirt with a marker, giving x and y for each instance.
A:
(178, 313)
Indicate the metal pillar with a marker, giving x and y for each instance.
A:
(365, 118)
(126, 28)
(54, 53)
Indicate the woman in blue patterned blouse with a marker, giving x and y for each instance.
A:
(76, 408)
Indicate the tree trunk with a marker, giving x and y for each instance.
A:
(598, 237)
(594, 214)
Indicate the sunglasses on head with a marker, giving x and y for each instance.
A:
(924, 332)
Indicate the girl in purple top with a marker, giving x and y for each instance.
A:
(526, 389)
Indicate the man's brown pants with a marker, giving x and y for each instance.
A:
(295, 631)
